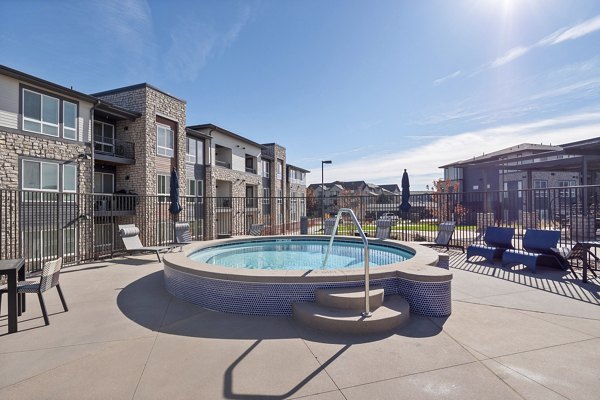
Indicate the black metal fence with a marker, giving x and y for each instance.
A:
(81, 227)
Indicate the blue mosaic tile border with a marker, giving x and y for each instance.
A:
(425, 298)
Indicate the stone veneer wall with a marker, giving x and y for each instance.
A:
(278, 153)
(141, 177)
(14, 147)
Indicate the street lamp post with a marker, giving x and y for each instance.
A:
(323, 195)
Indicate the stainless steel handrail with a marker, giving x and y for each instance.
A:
(367, 312)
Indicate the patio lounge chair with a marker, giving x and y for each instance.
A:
(497, 241)
(539, 248)
(445, 232)
(131, 239)
(183, 235)
(578, 252)
(329, 224)
(48, 280)
(383, 228)
(256, 229)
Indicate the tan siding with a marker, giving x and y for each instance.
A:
(9, 102)
(163, 165)
(8, 119)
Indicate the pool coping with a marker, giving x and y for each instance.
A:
(421, 267)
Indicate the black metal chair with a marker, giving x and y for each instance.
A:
(48, 280)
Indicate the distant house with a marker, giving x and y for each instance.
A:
(392, 188)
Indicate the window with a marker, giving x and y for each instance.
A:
(43, 244)
(69, 178)
(43, 176)
(191, 150)
(104, 183)
(164, 141)
(40, 176)
(194, 190)
(250, 164)
(250, 197)
(40, 113)
(104, 137)
(279, 169)
(266, 196)
(293, 207)
(540, 186)
(163, 186)
(266, 169)
(567, 192)
(69, 120)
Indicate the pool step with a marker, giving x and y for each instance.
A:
(392, 313)
(349, 298)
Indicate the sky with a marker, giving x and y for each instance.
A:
(375, 87)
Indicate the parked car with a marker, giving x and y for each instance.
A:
(390, 216)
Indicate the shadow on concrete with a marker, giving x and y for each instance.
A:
(228, 381)
(550, 280)
(147, 303)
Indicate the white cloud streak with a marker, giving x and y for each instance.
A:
(423, 162)
(192, 44)
(443, 79)
(559, 36)
(510, 56)
(562, 35)
(574, 32)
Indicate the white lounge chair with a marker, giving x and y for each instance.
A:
(131, 239)
(445, 232)
(383, 228)
(183, 234)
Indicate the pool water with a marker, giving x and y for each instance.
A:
(288, 254)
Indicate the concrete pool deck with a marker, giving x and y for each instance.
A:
(511, 335)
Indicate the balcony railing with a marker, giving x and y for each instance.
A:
(223, 164)
(251, 170)
(114, 147)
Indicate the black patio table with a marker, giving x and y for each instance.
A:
(12, 268)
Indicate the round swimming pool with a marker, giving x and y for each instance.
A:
(294, 254)
(218, 274)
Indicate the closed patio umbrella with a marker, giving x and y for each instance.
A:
(175, 207)
(405, 205)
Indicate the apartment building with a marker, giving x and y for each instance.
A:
(510, 171)
(114, 151)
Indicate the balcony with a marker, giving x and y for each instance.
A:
(114, 151)
(111, 205)
(223, 164)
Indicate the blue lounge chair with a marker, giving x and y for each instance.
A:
(497, 241)
(539, 248)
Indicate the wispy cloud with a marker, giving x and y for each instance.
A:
(423, 161)
(443, 79)
(559, 36)
(562, 35)
(510, 56)
(195, 40)
(123, 35)
(574, 32)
